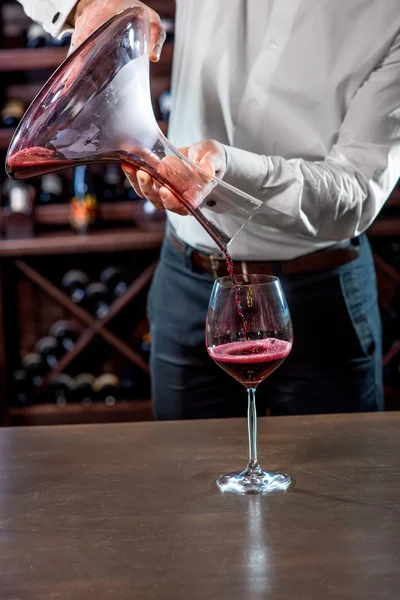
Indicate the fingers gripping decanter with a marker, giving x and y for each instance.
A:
(97, 108)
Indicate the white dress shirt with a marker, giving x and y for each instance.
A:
(305, 96)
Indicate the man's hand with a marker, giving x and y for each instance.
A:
(191, 183)
(90, 14)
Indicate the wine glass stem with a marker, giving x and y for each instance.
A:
(252, 427)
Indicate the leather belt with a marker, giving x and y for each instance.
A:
(321, 260)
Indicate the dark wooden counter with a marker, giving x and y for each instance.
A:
(132, 511)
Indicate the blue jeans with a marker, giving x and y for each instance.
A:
(335, 364)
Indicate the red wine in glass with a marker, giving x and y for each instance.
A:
(250, 362)
(249, 357)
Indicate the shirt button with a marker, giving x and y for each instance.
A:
(273, 45)
(253, 103)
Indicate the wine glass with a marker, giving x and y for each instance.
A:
(249, 334)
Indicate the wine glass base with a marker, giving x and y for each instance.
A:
(253, 481)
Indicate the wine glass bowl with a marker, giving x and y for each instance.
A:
(249, 334)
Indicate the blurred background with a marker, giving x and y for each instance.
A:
(77, 253)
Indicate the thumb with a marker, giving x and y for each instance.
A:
(207, 165)
(199, 157)
(206, 157)
(157, 39)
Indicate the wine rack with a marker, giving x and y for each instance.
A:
(125, 233)
(34, 266)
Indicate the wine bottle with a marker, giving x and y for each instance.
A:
(111, 183)
(107, 388)
(98, 299)
(61, 390)
(51, 189)
(165, 104)
(129, 193)
(75, 282)
(65, 334)
(19, 196)
(12, 112)
(146, 345)
(22, 388)
(49, 350)
(84, 392)
(128, 389)
(169, 28)
(113, 278)
(84, 202)
(34, 367)
(18, 219)
(13, 26)
(37, 37)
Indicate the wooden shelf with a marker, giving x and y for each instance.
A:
(49, 414)
(394, 199)
(384, 227)
(59, 214)
(31, 59)
(110, 240)
(165, 8)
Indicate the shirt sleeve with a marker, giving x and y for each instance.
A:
(339, 197)
(51, 14)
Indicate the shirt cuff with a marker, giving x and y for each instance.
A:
(246, 171)
(52, 15)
